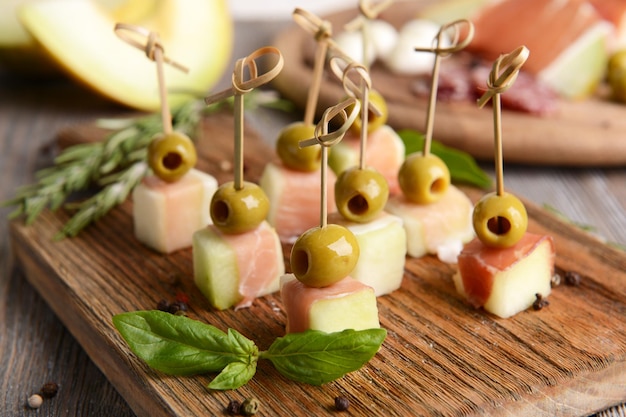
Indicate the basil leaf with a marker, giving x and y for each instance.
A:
(178, 345)
(316, 357)
(463, 168)
(234, 375)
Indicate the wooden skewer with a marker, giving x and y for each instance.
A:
(326, 138)
(440, 51)
(502, 76)
(369, 10)
(359, 90)
(154, 51)
(238, 89)
(322, 33)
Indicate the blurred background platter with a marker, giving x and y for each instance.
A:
(581, 133)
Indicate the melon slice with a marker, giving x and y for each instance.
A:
(166, 215)
(440, 228)
(79, 36)
(382, 244)
(347, 304)
(385, 153)
(295, 199)
(505, 281)
(232, 270)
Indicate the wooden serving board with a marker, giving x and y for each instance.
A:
(441, 357)
(585, 133)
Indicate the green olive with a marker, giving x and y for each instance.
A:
(291, 154)
(171, 155)
(423, 178)
(616, 75)
(360, 194)
(500, 220)
(324, 255)
(373, 121)
(238, 211)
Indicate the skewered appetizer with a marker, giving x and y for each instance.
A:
(505, 267)
(239, 257)
(170, 205)
(361, 193)
(293, 186)
(320, 294)
(436, 215)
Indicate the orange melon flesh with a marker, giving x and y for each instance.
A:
(347, 304)
(166, 215)
(235, 269)
(504, 281)
(295, 199)
(545, 27)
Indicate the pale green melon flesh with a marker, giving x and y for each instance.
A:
(383, 247)
(215, 269)
(356, 311)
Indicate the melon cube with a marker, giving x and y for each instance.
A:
(295, 199)
(166, 215)
(440, 228)
(382, 244)
(505, 281)
(347, 304)
(232, 270)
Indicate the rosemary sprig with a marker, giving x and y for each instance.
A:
(114, 165)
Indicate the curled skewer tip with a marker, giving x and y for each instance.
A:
(326, 137)
(372, 8)
(319, 28)
(456, 43)
(344, 70)
(146, 41)
(504, 73)
(239, 85)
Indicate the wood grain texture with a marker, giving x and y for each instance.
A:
(585, 133)
(441, 357)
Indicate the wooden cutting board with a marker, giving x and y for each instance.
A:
(441, 357)
(585, 133)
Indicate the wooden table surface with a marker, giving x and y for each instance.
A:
(35, 347)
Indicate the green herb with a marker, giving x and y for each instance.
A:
(178, 345)
(585, 227)
(114, 166)
(463, 168)
(565, 219)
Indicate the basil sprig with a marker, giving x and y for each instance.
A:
(178, 345)
(463, 168)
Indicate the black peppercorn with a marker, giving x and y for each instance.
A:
(250, 406)
(49, 390)
(163, 305)
(572, 278)
(540, 302)
(556, 280)
(234, 408)
(179, 308)
(341, 403)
